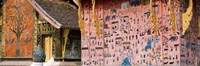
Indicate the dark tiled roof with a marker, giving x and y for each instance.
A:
(61, 14)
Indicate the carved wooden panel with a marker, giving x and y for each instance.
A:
(45, 28)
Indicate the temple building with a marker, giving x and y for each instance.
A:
(53, 24)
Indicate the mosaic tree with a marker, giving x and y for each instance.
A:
(18, 23)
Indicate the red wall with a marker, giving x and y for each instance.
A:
(22, 19)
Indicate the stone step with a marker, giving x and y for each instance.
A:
(57, 64)
(51, 62)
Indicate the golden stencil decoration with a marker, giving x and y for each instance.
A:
(95, 19)
(186, 17)
(153, 18)
(172, 17)
(81, 23)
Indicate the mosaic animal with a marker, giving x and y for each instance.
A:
(136, 3)
(114, 17)
(149, 32)
(125, 5)
(113, 11)
(193, 46)
(107, 18)
(9, 41)
(156, 39)
(148, 46)
(126, 62)
(147, 14)
(187, 44)
(173, 38)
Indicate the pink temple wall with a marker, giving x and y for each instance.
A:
(189, 43)
(127, 35)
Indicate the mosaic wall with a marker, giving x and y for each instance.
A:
(189, 42)
(18, 29)
(127, 36)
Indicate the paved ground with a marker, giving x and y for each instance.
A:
(15, 63)
(30, 63)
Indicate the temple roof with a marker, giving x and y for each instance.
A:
(59, 14)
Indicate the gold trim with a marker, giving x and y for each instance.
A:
(81, 22)
(172, 17)
(95, 19)
(153, 18)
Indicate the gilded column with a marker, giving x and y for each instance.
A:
(2, 46)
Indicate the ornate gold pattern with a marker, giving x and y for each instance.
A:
(95, 19)
(172, 17)
(186, 17)
(81, 22)
(153, 19)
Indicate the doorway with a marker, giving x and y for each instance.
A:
(73, 46)
(48, 47)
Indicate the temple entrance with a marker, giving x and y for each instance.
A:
(49, 37)
(48, 46)
(73, 47)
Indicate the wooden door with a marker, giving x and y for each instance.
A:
(48, 44)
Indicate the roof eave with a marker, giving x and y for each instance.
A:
(76, 2)
(45, 15)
